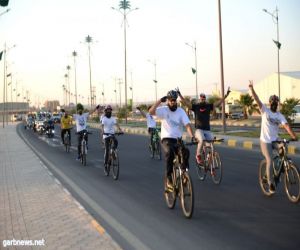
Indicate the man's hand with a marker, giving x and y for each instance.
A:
(228, 92)
(163, 99)
(250, 84)
(98, 106)
(294, 139)
(138, 108)
(178, 91)
(193, 139)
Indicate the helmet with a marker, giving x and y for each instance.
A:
(108, 107)
(274, 98)
(172, 94)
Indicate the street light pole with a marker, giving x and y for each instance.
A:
(125, 5)
(221, 65)
(68, 68)
(195, 71)
(277, 43)
(88, 40)
(74, 54)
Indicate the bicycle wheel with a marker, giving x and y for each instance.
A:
(262, 178)
(201, 171)
(292, 183)
(115, 165)
(158, 150)
(67, 144)
(106, 169)
(169, 196)
(216, 168)
(187, 195)
(83, 155)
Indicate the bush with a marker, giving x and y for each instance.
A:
(287, 109)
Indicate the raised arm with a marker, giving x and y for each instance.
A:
(219, 102)
(142, 112)
(184, 101)
(152, 110)
(253, 93)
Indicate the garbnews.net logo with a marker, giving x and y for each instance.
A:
(14, 242)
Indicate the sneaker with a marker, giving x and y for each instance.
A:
(199, 160)
(78, 158)
(271, 188)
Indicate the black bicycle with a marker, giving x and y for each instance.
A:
(211, 162)
(154, 145)
(282, 164)
(113, 157)
(83, 147)
(182, 183)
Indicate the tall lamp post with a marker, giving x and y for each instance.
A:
(155, 80)
(274, 16)
(68, 69)
(89, 40)
(221, 66)
(124, 5)
(74, 54)
(195, 70)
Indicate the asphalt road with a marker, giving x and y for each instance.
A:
(233, 215)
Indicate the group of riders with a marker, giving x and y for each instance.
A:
(174, 119)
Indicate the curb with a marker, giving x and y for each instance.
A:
(234, 143)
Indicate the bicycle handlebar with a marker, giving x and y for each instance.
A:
(118, 133)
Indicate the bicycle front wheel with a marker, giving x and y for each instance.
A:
(115, 165)
(292, 183)
(201, 171)
(262, 178)
(158, 150)
(170, 196)
(216, 168)
(187, 195)
(83, 155)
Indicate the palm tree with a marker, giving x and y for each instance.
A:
(212, 100)
(247, 102)
(287, 109)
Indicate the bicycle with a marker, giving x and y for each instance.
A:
(154, 145)
(113, 158)
(83, 147)
(211, 162)
(281, 164)
(182, 184)
(67, 141)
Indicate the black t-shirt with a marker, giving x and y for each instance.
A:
(202, 115)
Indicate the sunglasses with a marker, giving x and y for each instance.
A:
(172, 100)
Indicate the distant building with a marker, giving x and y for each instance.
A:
(51, 105)
(289, 86)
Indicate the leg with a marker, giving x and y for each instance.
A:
(69, 131)
(200, 137)
(62, 134)
(79, 143)
(168, 146)
(266, 149)
(106, 152)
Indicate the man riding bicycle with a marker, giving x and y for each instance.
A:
(108, 122)
(270, 121)
(202, 120)
(151, 123)
(66, 125)
(81, 124)
(173, 119)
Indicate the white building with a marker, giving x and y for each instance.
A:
(289, 86)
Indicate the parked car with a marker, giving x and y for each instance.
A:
(296, 122)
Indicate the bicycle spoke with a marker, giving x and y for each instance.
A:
(292, 183)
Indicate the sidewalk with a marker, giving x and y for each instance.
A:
(34, 207)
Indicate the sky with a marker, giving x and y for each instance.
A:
(46, 32)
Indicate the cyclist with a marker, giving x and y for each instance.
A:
(81, 124)
(151, 123)
(108, 122)
(173, 119)
(202, 120)
(66, 125)
(271, 119)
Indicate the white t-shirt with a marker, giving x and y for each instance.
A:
(172, 122)
(270, 122)
(81, 121)
(109, 125)
(151, 123)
